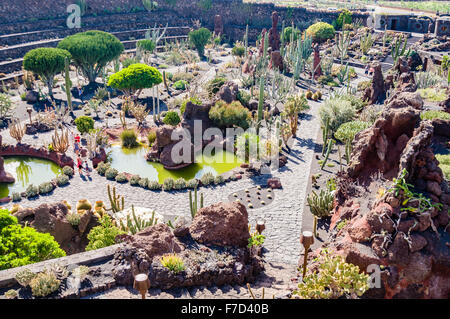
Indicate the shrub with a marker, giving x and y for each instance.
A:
(151, 137)
(219, 180)
(432, 94)
(180, 85)
(238, 50)
(172, 118)
(168, 184)
(444, 164)
(207, 179)
(134, 180)
(334, 278)
(427, 79)
(173, 262)
(111, 173)
(146, 45)
(46, 188)
(16, 197)
(229, 115)
(32, 191)
(102, 167)
(73, 219)
(154, 185)
(199, 38)
(214, 85)
(62, 180)
(431, 115)
(46, 62)
(192, 183)
(103, 235)
(321, 31)
(143, 182)
(92, 50)
(5, 105)
(67, 170)
(133, 79)
(44, 283)
(180, 183)
(129, 139)
(24, 245)
(287, 34)
(182, 76)
(84, 124)
(338, 111)
(345, 17)
(194, 100)
(244, 97)
(122, 178)
(347, 131)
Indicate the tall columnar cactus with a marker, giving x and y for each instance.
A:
(304, 50)
(260, 103)
(282, 40)
(117, 202)
(326, 131)
(68, 83)
(193, 203)
(398, 50)
(246, 41)
(329, 147)
(165, 83)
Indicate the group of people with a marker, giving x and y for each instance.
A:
(82, 165)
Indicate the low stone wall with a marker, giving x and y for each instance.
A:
(27, 150)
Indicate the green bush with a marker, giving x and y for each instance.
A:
(192, 183)
(199, 38)
(287, 33)
(207, 179)
(154, 185)
(91, 51)
(103, 235)
(244, 97)
(121, 178)
(229, 115)
(180, 85)
(321, 31)
(62, 180)
(67, 170)
(151, 137)
(135, 78)
(143, 182)
(431, 115)
(32, 191)
(213, 86)
(345, 17)
(238, 51)
(46, 62)
(134, 180)
(129, 139)
(24, 245)
(186, 76)
(219, 180)
(194, 100)
(84, 124)
(16, 197)
(444, 164)
(146, 45)
(347, 131)
(172, 118)
(102, 168)
(180, 183)
(111, 173)
(338, 111)
(168, 184)
(46, 188)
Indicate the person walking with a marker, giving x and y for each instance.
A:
(76, 148)
(79, 164)
(87, 169)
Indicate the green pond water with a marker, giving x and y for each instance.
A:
(133, 161)
(27, 170)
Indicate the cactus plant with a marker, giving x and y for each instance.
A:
(16, 131)
(398, 50)
(329, 147)
(320, 205)
(117, 201)
(68, 83)
(193, 203)
(136, 223)
(60, 143)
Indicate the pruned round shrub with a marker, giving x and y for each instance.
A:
(102, 168)
(345, 17)
(46, 62)
(199, 38)
(129, 139)
(111, 173)
(290, 32)
(84, 124)
(168, 184)
(32, 191)
(207, 179)
(192, 183)
(229, 115)
(180, 85)
(121, 178)
(219, 180)
(135, 78)
(321, 31)
(92, 50)
(143, 182)
(67, 170)
(134, 180)
(154, 185)
(46, 188)
(172, 118)
(62, 180)
(180, 183)
(21, 246)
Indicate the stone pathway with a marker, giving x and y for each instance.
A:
(276, 281)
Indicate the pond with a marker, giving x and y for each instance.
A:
(133, 161)
(27, 170)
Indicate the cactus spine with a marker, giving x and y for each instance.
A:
(117, 202)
